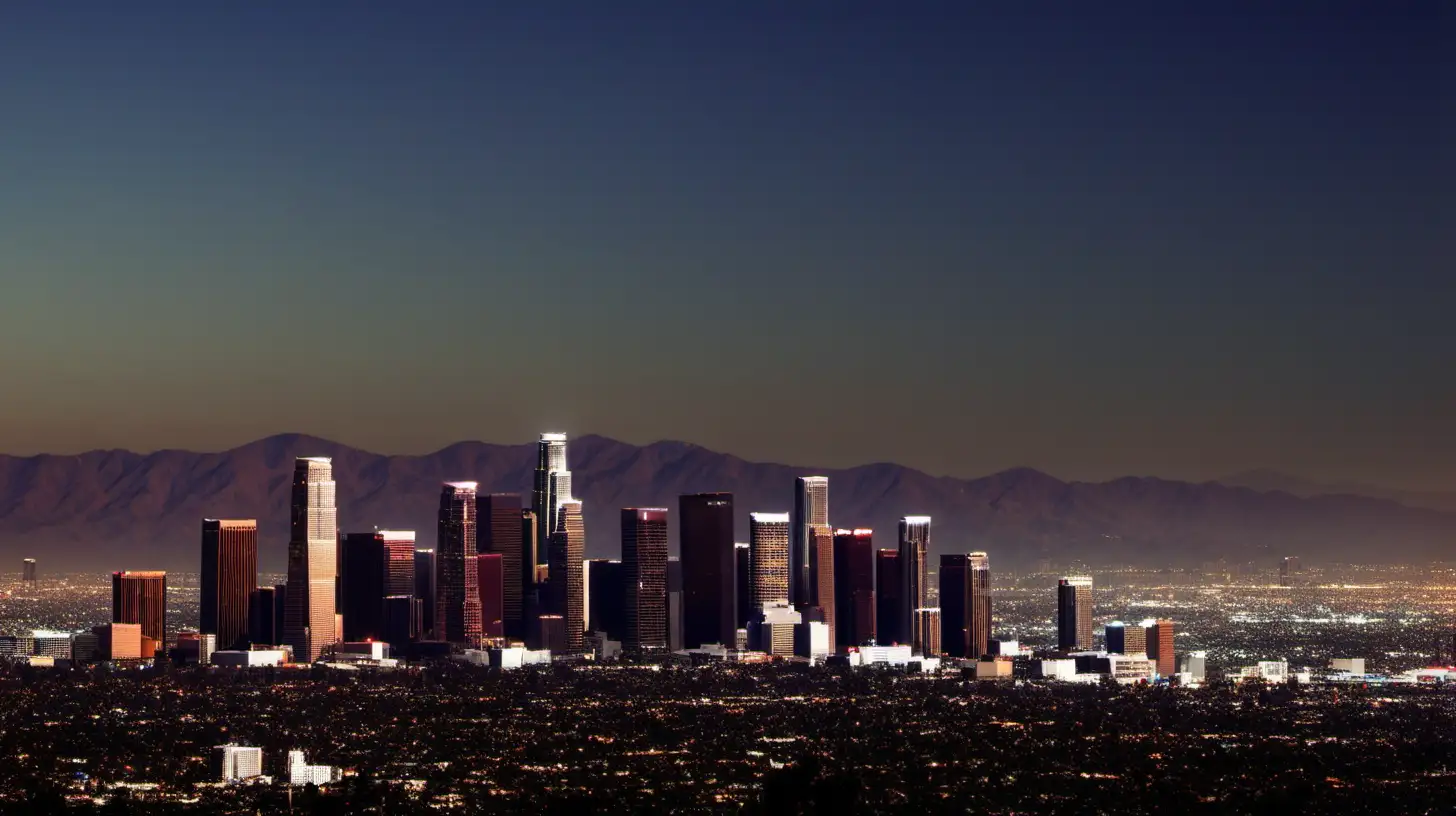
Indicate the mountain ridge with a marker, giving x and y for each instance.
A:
(116, 509)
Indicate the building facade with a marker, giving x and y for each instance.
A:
(141, 598)
(568, 548)
(229, 575)
(705, 535)
(644, 562)
(811, 509)
(892, 624)
(1074, 613)
(313, 544)
(768, 556)
(457, 605)
(552, 485)
(915, 569)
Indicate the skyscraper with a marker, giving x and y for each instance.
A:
(28, 573)
(768, 558)
(229, 575)
(568, 546)
(313, 544)
(1160, 645)
(979, 636)
(265, 624)
(854, 587)
(1288, 569)
(363, 570)
(955, 606)
(1119, 638)
(552, 485)
(892, 621)
(490, 581)
(608, 591)
(1074, 613)
(141, 598)
(705, 534)
(742, 584)
(500, 534)
(399, 560)
(821, 574)
(644, 562)
(457, 604)
(927, 624)
(811, 509)
(914, 566)
(426, 592)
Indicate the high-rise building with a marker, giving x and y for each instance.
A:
(491, 582)
(1288, 569)
(1159, 638)
(644, 562)
(399, 560)
(1120, 638)
(457, 603)
(915, 567)
(28, 573)
(530, 534)
(426, 592)
(854, 587)
(811, 509)
(552, 485)
(234, 763)
(229, 576)
(742, 584)
(313, 544)
(705, 535)
(607, 592)
(768, 558)
(892, 614)
(979, 636)
(265, 624)
(500, 534)
(141, 598)
(568, 547)
(1074, 613)
(955, 597)
(821, 575)
(927, 623)
(124, 641)
(363, 569)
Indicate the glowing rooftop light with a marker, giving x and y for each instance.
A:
(770, 518)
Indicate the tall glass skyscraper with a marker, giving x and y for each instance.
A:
(568, 548)
(1074, 613)
(768, 557)
(501, 534)
(552, 486)
(915, 568)
(140, 598)
(229, 576)
(644, 567)
(705, 536)
(811, 509)
(313, 545)
(457, 588)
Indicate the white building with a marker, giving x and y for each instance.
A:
(1351, 665)
(302, 773)
(773, 631)
(1064, 669)
(1194, 664)
(514, 657)
(1269, 671)
(811, 640)
(880, 656)
(239, 762)
(51, 644)
(249, 659)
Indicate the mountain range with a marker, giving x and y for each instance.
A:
(116, 509)
(1265, 480)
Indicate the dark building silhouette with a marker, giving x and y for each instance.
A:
(854, 587)
(705, 536)
(229, 575)
(363, 568)
(892, 621)
(644, 560)
(265, 616)
(500, 534)
(955, 604)
(811, 509)
(567, 593)
(141, 598)
(1074, 614)
(457, 604)
(608, 593)
(490, 578)
(399, 620)
(28, 574)
(742, 584)
(425, 592)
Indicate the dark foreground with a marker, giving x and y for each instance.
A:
(759, 740)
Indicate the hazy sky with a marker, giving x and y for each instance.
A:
(958, 236)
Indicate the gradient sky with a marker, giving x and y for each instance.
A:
(1097, 241)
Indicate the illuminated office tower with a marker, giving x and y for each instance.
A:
(854, 587)
(914, 567)
(768, 558)
(705, 533)
(568, 547)
(426, 592)
(892, 622)
(1159, 639)
(399, 561)
(1119, 638)
(927, 623)
(229, 575)
(821, 577)
(552, 486)
(1074, 613)
(141, 598)
(607, 594)
(979, 636)
(28, 574)
(742, 584)
(644, 562)
(313, 544)
(490, 580)
(811, 509)
(1288, 569)
(362, 571)
(457, 602)
(501, 534)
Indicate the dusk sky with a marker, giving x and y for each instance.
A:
(962, 237)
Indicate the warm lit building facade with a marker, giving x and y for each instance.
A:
(141, 598)
(229, 575)
(313, 543)
(644, 566)
(457, 605)
(811, 510)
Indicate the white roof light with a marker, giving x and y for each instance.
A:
(916, 519)
(463, 485)
(769, 518)
(553, 437)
